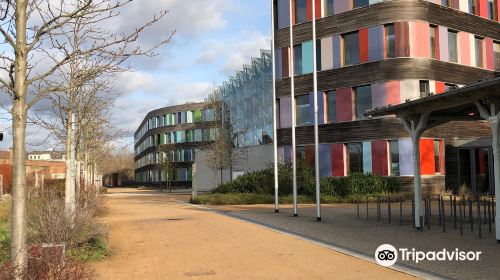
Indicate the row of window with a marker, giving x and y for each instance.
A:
(170, 119)
(302, 9)
(401, 39)
(182, 155)
(347, 104)
(178, 174)
(177, 137)
(384, 157)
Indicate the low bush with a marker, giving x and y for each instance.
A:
(48, 223)
(49, 264)
(355, 184)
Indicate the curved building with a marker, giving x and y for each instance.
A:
(376, 53)
(175, 131)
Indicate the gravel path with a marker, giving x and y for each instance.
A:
(154, 236)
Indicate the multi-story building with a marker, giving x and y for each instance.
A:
(249, 97)
(175, 132)
(379, 53)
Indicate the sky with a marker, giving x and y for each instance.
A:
(213, 39)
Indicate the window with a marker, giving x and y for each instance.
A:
(452, 46)
(181, 137)
(448, 86)
(297, 62)
(424, 88)
(351, 48)
(360, 3)
(390, 41)
(331, 98)
(434, 40)
(473, 7)
(329, 7)
(445, 3)
(300, 11)
(478, 44)
(492, 9)
(355, 160)
(363, 99)
(197, 116)
(437, 159)
(394, 150)
(198, 135)
(496, 55)
(303, 110)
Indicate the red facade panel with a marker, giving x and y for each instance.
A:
(309, 10)
(440, 87)
(427, 164)
(363, 45)
(318, 9)
(441, 157)
(401, 30)
(490, 60)
(483, 8)
(380, 157)
(422, 44)
(344, 106)
(309, 151)
(338, 159)
(465, 51)
(285, 61)
(392, 92)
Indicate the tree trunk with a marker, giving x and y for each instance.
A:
(19, 111)
(70, 196)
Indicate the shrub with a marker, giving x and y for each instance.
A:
(48, 223)
(355, 184)
(49, 264)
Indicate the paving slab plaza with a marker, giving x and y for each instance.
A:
(160, 236)
(341, 228)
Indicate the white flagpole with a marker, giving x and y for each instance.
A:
(316, 134)
(292, 94)
(275, 130)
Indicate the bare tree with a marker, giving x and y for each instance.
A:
(222, 152)
(165, 165)
(31, 29)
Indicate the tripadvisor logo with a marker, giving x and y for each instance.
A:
(387, 255)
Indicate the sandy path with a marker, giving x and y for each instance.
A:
(155, 237)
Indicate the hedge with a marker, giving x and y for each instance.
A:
(262, 182)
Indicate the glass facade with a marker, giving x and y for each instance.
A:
(351, 48)
(390, 41)
(331, 106)
(363, 100)
(433, 41)
(478, 45)
(453, 46)
(303, 110)
(249, 97)
(355, 160)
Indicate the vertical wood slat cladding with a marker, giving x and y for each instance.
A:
(385, 70)
(380, 128)
(390, 12)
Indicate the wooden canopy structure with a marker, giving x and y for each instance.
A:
(479, 101)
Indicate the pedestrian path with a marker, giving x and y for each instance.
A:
(154, 236)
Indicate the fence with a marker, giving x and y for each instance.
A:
(447, 212)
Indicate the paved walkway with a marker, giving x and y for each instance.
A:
(341, 228)
(154, 236)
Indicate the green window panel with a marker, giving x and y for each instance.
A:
(197, 116)
(162, 139)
